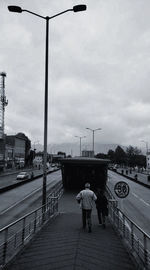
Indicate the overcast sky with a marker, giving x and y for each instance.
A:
(99, 70)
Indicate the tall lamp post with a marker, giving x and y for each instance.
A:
(80, 141)
(93, 131)
(18, 9)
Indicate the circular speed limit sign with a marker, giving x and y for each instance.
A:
(121, 189)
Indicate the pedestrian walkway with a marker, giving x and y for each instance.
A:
(62, 244)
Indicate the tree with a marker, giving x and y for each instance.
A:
(111, 155)
(134, 157)
(61, 153)
(131, 151)
(69, 156)
(102, 156)
(120, 155)
(140, 160)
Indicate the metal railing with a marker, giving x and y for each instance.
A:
(14, 236)
(137, 240)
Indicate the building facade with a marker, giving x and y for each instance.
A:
(148, 161)
(9, 156)
(38, 160)
(87, 153)
(2, 154)
(15, 148)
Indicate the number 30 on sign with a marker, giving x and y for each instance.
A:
(121, 189)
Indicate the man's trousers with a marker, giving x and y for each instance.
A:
(86, 217)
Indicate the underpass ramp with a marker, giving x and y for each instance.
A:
(62, 244)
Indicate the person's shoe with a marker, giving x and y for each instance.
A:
(90, 230)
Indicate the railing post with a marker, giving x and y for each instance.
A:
(30, 228)
(35, 217)
(123, 225)
(132, 236)
(5, 246)
(43, 213)
(113, 209)
(145, 252)
(15, 242)
(117, 218)
(138, 246)
(57, 204)
(23, 231)
(49, 207)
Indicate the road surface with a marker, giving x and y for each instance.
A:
(137, 204)
(23, 199)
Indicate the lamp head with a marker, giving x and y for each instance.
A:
(79, 8)
(15, 9)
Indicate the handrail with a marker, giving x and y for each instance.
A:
(136, 239)
(21, 218)
(15, 235)
(29, 224)
(25, 216)
(109, 192)
(129, 219)
(138, 227)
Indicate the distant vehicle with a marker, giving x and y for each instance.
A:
(23, 176)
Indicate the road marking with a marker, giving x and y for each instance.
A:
(140, 199)
(144, 202)
(27, 196)
(13, 205)
(134, 194)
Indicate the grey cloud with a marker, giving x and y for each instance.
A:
(98, 70)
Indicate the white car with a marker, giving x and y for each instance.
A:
(23, 176)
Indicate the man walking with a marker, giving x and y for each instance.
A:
(86, 198)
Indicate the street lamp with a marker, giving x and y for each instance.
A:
(80, 142)
(18, 9)
(93, 131)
